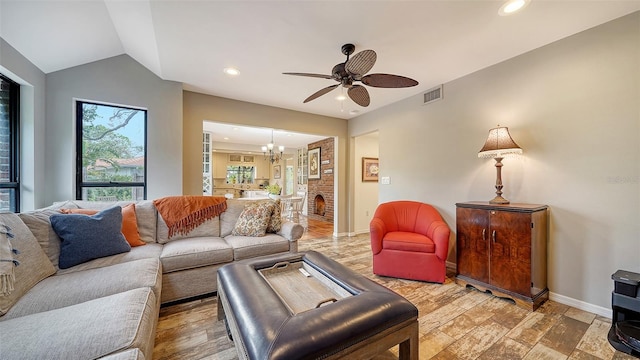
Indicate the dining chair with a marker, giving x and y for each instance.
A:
(298, 205)
(285, 206)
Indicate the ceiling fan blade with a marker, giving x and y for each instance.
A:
(388, 81)
(361, 62)
(359, 95)
(320, 92)
(322, 76)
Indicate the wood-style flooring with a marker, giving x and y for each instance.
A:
(455, 322)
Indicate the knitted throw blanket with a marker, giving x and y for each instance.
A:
(7, 262)
(185, 213)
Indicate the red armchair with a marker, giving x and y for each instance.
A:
(409, 240)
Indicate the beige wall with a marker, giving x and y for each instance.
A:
(123, 81)
(199, 107)
(365, 193)
(573, 107)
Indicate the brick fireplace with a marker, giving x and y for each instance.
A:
(320, 191)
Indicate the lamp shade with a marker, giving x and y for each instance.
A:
(498, 144)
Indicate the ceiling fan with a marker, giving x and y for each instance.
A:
(354, 69)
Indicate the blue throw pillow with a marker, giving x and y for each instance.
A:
(86, 237)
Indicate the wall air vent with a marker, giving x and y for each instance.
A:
(433, 94)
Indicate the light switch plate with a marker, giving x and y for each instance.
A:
(385, 180)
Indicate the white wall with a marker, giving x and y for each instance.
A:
(123, 81)
(573, 106)
(366, 193)
(32, 124)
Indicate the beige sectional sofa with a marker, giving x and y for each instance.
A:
(108, 307)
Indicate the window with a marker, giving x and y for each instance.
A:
(9, 153)
(111, 149)
(240, 174)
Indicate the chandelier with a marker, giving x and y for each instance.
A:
(272, 156)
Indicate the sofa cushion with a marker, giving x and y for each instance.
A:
(254, 219)
(408, 241)
(34, 264)
(131, 354)
(208, 228)
(59, 291)
(86, 238)
(129, 222)
(275, 223)
(229, 217)
(39, 224)
(249, 246)
(86, 330)
(146, 215)
(195, 252)
(149, 251)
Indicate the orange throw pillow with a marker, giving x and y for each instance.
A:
(129, 222)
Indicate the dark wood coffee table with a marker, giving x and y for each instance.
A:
(307, 306)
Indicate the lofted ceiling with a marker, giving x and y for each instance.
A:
(191, 42)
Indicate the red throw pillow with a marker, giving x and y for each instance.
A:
(129, 222)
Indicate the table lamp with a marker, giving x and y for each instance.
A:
(498, 144)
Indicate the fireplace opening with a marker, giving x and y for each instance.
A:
(319, 208)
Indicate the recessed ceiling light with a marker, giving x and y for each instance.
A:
(226, 138)
(231, 71)
(353, 112)
(512, 6)
(235, 129)
(341, 97)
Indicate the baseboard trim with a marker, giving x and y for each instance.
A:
(337, 235)
(565, 300)
(581, 305)
(451, 266)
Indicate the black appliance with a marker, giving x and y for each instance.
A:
(624, 334)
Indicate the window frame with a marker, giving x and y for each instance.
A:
(80, 183)
(14, 139)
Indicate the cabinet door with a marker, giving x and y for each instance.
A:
(472, 243)
(219, 165)
(511, 251)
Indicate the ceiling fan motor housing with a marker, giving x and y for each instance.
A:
(340, 74)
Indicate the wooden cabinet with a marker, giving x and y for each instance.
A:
(219, 165)
(263, 168)
(503, 249)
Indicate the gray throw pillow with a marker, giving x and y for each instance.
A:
(86, 237)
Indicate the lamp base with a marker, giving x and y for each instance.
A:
(499, 200)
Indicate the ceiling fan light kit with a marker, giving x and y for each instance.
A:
(354, 69)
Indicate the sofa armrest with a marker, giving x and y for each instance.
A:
(291, 231)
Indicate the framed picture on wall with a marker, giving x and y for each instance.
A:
(370, 169)
(314, 163)
(276, 172)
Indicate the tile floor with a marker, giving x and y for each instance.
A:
(454, 322)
